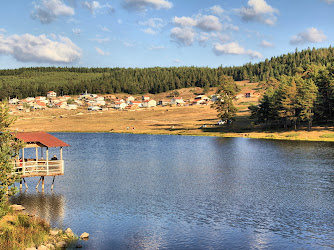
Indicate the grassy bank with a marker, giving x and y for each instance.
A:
(20, 231)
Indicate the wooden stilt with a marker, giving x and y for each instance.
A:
(25, 183)
(42, 183)
(53, 181)
(38, 182)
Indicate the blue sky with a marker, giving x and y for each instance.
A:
(165, 33)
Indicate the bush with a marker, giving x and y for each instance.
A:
(330, 135)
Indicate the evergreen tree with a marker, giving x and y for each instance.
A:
(8, 151)
(226, 91)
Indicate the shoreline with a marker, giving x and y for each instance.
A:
(188, 121)
(265, 136)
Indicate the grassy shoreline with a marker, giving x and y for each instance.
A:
(250, 135)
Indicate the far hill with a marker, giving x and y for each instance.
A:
(38, 81)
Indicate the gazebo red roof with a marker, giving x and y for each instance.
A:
(40, 137)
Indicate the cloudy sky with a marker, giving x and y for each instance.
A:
(148, 33)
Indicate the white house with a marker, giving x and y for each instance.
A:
(120, 105)
(130, 99)
(13, 101)
(145, 98)
(149, 103)
(51, 94)
(177, 100)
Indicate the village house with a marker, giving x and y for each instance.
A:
(202, 97)
(145, 98)
(13, 101)
(40, 98)
(164, 102)
(119, 100)
(129, 99)
(120, 105)
(176, 100)
(149, 103)
(51, 94)
(137, 103)
(249, 94)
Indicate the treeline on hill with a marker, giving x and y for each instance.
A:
(37, 81)
(290, 100)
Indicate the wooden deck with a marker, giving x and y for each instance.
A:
(40, 168)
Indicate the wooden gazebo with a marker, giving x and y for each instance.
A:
(39, 166)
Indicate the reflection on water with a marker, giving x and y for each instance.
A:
(49, 206)
(149, 191)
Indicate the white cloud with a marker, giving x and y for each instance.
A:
(177, 60)
(100, 40)
(119, 21)
(153, 23)
(101, 52)
(29, 48)
(92, 6)
(260, 11)
(209, 23)
(234, 48)
(266, 44)
(311, 35)
(128, 44)
(203, 38)
(329, 1)
(217, 10)
(48, 10)
(143, 5)
(183, 36)
(159, 47)
(229, 26)
(204, 22)
(105, 29)
(2, 30)
(95, 6)
(184, 21)
(76, 31)
(149, 31)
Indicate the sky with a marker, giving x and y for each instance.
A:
(163, 33)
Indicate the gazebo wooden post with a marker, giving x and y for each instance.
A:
(47, 161)
(42, 183)
(23, 164)
(53, 181)
(38, 182)
(25, 183)
(61, 159)
(36, 155)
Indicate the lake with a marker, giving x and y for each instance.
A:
(182, 192)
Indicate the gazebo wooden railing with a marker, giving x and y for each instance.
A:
(39, 167)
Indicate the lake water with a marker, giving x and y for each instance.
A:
(181, 192)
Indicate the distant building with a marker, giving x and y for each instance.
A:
(149, 103)
(13, 101)
(120, 105)
(164, 102)
(177, 100)
(129, 98)
(51, 94)
(145, 98)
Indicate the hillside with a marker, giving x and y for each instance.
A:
(26, 82)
